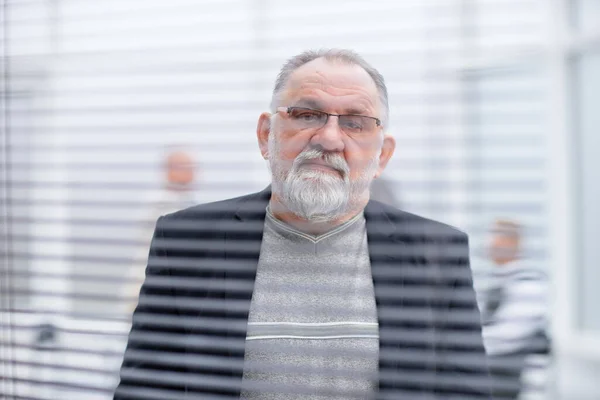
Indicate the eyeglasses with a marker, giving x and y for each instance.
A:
(307, 118)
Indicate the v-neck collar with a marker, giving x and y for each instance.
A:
(283, 227)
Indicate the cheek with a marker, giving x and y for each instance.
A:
(360, 156)
(290, 144)
(502, 243)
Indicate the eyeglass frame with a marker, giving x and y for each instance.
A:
(287, 111)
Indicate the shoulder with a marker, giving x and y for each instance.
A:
(210, 219)
(440, 246)
(421, 228)
(523, 271)
(214, 210)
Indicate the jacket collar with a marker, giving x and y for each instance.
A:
(379, 224)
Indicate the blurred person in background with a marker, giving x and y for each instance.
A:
(309, 289)
(179, 172)
(514, 310)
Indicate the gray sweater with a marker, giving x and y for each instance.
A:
(312, 330)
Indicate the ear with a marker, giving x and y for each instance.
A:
(263, 129)
(387, 150)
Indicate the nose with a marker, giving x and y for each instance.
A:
(329, 137)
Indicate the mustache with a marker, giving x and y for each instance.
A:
(334, 160)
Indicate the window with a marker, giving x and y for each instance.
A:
(586, 16)
(587, 120)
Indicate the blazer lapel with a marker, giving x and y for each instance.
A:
(243, 243)
(406, 335)
(236, 238)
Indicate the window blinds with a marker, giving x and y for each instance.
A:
(95, 93)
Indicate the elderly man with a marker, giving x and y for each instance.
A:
(308, 290)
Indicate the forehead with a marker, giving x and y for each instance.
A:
(333, 83)
(179, 158)
(504, 233)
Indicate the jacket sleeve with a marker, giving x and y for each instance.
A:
(462, 366)
(149, 369)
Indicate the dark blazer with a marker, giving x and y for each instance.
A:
(188, 335)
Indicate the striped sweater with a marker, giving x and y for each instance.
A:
(312, 330)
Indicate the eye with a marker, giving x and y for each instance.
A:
(306, 115)
(352, 123)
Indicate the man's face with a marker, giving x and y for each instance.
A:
(180, 169)
(323, 173)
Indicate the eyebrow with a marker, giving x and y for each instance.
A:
(317, 105)
(309, 103)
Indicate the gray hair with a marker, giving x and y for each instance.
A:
(342, 55)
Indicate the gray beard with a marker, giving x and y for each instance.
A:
(315, 195)
(318, 196)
